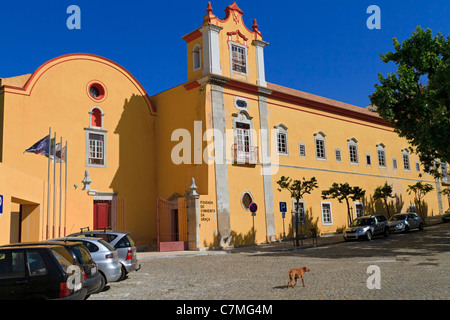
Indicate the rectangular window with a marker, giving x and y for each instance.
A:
(368, 160)
(444, 171)
(338, 155)
(406, 162)
(353, 150)
(417, 166)
(359, 209)
(36, 264)
(320, 149)
(281, 141)
(381, 158)
(326, 213)
(12, 265)
(238, 59)
(394, 163)
(96, 148)
(301, 215)
(302, 150)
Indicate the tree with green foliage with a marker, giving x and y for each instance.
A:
(297, 189)
(420, 190)
(344, 192)
(416, 98)
(446, 192)
(383, 193)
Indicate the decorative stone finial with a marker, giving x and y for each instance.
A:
(209, 15)
(255, 26)
(193, 188)
(209, 8)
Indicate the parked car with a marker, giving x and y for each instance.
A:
(366, 227)
(446, 216)
(39, 272)
(104, 255)
(124, 244)
(403, 222)
(92, 278)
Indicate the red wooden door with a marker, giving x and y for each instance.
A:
(102, 214)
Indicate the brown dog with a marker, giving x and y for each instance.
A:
(294, 274)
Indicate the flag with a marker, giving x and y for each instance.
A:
(60, 153)
(40, 147)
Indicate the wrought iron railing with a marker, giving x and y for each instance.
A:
(245, 154)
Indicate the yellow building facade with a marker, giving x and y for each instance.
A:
(183, 166)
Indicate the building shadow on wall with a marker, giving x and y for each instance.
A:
(134, 179)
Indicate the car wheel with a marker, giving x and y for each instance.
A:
(406, 229)
(103, 283)
(386, 232)
(421, 226)
(369, 236)
(123, 273)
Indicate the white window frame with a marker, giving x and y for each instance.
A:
(300, 146)
(197, 57)
(368, 160)
(320, 137)
(281, 129)
(417, 163)
(353, 145)
(244, 48)
(381, 160)
(294, 208)
(322, 213)
(356, 204)
(338, 152)
(394, 163)
(444, 171)
(236, 99)
(99, 132)
(406, 160)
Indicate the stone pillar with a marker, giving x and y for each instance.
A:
(211, 54)
(193, 214)
(260, 70)
(220, 163)
(266, 166)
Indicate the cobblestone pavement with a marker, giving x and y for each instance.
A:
(411, 266)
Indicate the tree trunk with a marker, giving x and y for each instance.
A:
(348, 213)
(387, 208)
(297, 212)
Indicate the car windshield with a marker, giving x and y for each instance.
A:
(398, 217)
(106, 244)
(82, 254)
(361, 222)
(62, 259)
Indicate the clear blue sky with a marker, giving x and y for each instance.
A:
(321, 47)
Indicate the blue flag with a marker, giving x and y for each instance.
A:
(41, 147)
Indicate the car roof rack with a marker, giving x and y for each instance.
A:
(81, 229)
(107, 228)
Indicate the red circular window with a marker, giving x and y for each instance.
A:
(96, 91)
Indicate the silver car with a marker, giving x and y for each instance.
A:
(122, 242)
(366, 227)
(104, 255)
(403, 222)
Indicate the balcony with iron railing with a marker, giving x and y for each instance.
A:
(244, 154)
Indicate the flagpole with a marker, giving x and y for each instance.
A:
(48, 180)
(65, 191)
(60, 191)
(54, 186)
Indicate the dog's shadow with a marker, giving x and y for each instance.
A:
(280, 287)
